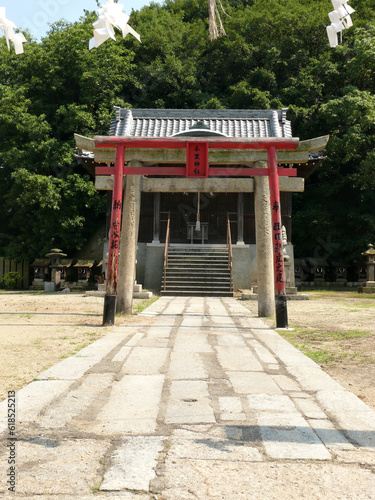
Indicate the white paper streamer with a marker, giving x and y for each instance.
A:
(340, 20)
(8, 27)
(111, 15)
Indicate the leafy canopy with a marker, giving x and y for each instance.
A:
(276, 54)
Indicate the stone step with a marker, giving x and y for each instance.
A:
(197, 276)
(199, 265)
(197, 254)
(197, 272)
(197, 250)
(199, 293)
(199, 287)
(198, 259)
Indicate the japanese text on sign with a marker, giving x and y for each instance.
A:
(197, 159)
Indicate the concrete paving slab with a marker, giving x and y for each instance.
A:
(135, 339)
(231, 408)
(284, 429)
(191, 320)
(218, 480)
(133, 464)
(111, 495)
(353, 416)
(69, 369)
(309, 408)
(286, 383)
(289, 436)
(237, 359)
(132, 407)
(160, 331)
(272, 367)
(191, 342)
(145, 361)
(157, 307)
(235, 308)
(281, 348)
(154, 342)
(313, 378)
(357, 456)
(194, 306)
(35, 397)
(184, 366)
(76, 366)
(271, 402)
(264, 354)
(122, 354)
(231, 340)
(253, 383)
(76, 401)
(58, 466)
(213, 449)
(332, 438)
(189, 403)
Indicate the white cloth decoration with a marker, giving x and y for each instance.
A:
(340, 20)
(8, 27)
(111, 15)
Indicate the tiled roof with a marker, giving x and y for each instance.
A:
(227, 122)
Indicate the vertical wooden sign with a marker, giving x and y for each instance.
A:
(197, 159)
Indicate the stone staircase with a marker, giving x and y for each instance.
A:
(197, 271)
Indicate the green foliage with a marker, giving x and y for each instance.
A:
(275, 54)
(9, 280)
(46, 211)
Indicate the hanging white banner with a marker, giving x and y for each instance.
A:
(8, 27)
(111, 15)
(340, 20)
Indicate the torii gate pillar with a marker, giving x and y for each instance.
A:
(128, 243)
(263, 234)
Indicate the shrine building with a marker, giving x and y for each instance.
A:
(198, 207)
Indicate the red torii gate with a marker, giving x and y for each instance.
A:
(197, 166)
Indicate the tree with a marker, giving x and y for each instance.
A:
(45, 212)
(275, 54)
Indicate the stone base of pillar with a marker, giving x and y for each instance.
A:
(368, 287)
(290, 290)
(290, 296)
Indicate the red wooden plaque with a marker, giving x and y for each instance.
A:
(197, 159)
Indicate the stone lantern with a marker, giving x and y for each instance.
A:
(369, 285)
(55, 255)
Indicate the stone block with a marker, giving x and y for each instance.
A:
(49, 286)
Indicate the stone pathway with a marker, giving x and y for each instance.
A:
(200, 401)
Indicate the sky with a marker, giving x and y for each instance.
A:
(35, 15)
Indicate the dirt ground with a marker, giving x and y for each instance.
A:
(337, 330)
(37, 330)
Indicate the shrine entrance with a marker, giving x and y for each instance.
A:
(214, 210)
(245, 155)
